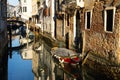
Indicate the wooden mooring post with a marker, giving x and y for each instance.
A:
(10, 35)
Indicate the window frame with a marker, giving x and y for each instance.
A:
(24, 9)
(105, 19)
(86, 17)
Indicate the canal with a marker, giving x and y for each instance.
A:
(19, 69)
(40, 65)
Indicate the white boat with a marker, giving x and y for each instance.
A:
(24, 41)
(29, 38)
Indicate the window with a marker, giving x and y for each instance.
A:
(88, 16)
(24, 9)
(20, 9)
(109, 19)
(63, 31)
(68, 20)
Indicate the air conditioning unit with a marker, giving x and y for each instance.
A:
(80, 3)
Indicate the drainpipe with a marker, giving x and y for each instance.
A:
(10, 34)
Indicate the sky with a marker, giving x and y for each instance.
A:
(13, 2)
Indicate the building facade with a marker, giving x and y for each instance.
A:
(3, 39)
(83, 25)
(10, 11)
(86, 26)
(90, 25)
(101, 29)
(25, 7)
(3, 24)
(46, 15)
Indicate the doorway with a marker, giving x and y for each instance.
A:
(77, 32)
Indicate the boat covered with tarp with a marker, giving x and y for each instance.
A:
(66, 56)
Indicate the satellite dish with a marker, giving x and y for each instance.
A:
(80, 3)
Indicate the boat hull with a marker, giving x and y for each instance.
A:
(74, 59)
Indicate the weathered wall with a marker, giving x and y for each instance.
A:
(59, 29)
(35, 65)
(97, 39)
(117, 24)
(71, 33)
(103, 46)
(89, 3)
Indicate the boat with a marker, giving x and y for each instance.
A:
(65, 56)
(23, 41)
(18, 41)
(29, 38)
(20, 38)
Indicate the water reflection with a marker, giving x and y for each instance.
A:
(40, 65)
(19, 69)
(46, 68)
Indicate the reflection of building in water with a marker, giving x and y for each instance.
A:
(44, 67)
(35, 61)
(27, 54)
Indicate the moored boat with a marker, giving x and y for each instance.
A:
(29, 39)
(66, 56)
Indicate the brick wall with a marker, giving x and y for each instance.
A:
(97, 39)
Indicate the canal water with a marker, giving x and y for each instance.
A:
(42, 66)
(18, 68)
